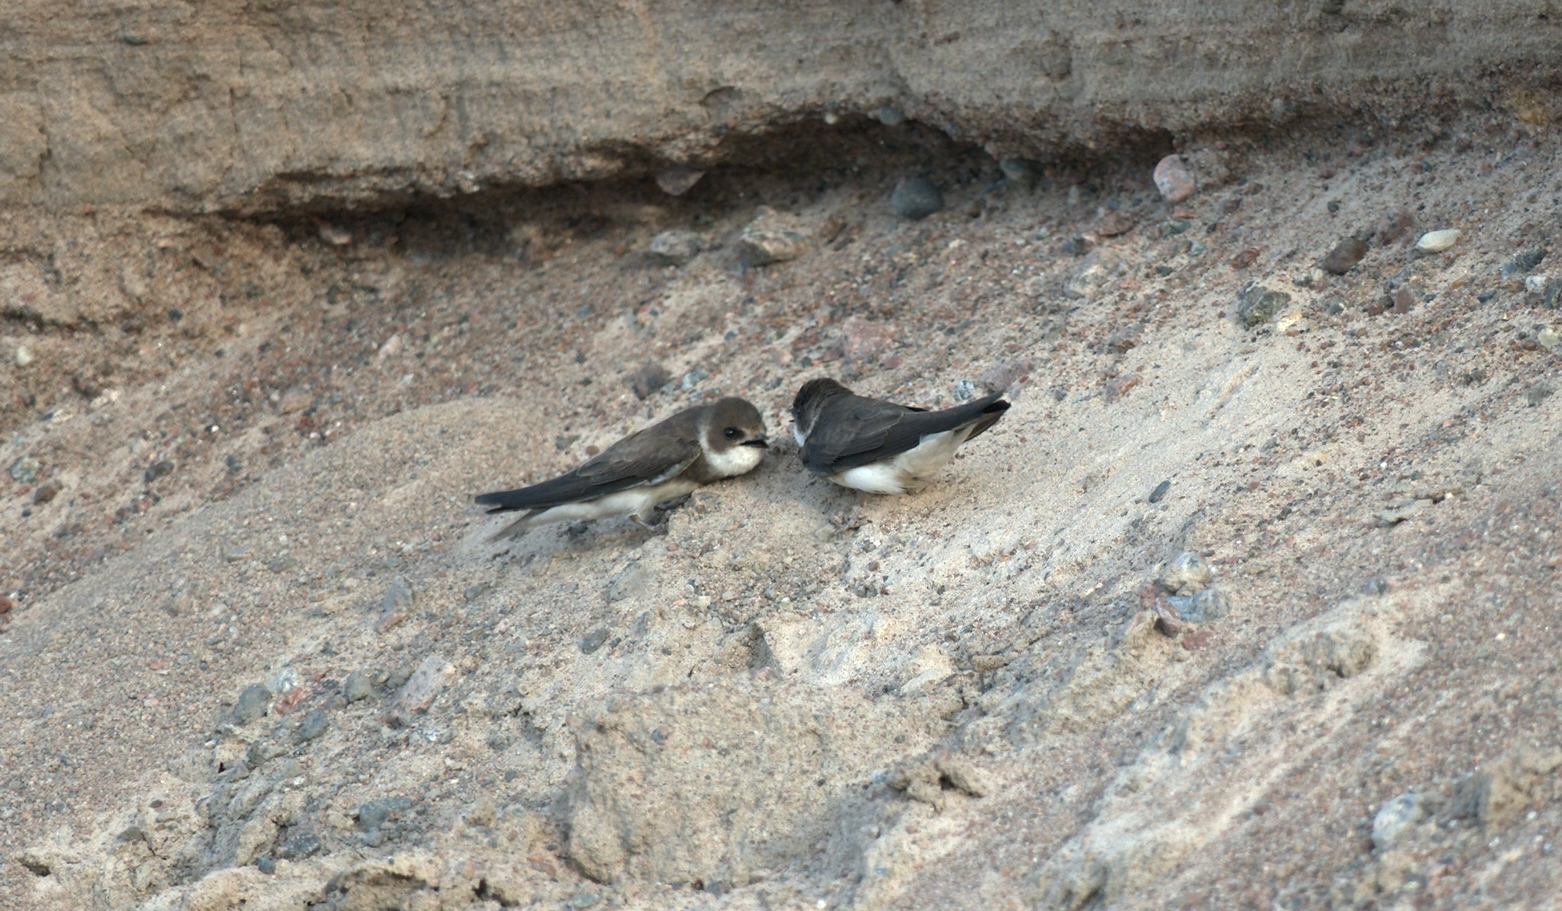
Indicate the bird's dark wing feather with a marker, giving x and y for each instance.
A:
(862, 431)
(626, 464)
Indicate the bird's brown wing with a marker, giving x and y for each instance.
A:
(637, 460)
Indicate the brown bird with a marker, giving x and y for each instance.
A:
(878, 446)
(660, 463)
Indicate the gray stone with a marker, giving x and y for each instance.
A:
(314, 724)
(1207, 606)
(916, 199)
(1345, 255)
(678, 180)
(762, 246)
(376, 813)
(398, 605)
(253, 703)
(676, 248)
(594, 640)
(24, 470)
(648, 379)
(301, 845)
(1396, 819)
(357, 685)
(1258, 304)
(261, 752)
(1523, 264)
(1160, 491)
(890, 116)
(1188, 574)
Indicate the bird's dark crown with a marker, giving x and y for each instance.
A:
(814, 392)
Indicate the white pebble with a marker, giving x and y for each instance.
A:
(23, 356)
(1437, 241)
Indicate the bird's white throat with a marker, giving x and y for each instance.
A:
(735, 460)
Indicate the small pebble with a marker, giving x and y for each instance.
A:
(1258, 304)
(473, 592)
(1396, 819)
(965, 390)
(1186, 575)
(397, 606)
(1173, 179)
(676, 248)
(678, 180)
(648, 379)
(1206, 606)
(889, 116)
(157, 470)
(47, 491)
(1345, 255)
(759, 245)
(261, 752)
(1523, 264)
(916, 198)
(1159, 493)
(1548, 338)
(335, 236)
(1022, 172)
(376, 813)
(1437, 241)
(252, 704)
(24, 356)
(357, 685)
(314, 724)
(425, 685)
(266, 865)
(304, 844)
(25, 470)
(594, 640)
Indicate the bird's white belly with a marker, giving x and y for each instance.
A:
(637, 501)
(893, 476)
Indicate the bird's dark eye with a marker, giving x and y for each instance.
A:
(731, 433)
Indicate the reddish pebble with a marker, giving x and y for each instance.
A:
(1244, 259)
(592, 450)
(1117, 388)
(1173, 180)
(6, 604)
(289, 701)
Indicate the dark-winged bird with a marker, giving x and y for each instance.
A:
(878, 446)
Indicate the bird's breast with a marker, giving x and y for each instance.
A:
(733, 462)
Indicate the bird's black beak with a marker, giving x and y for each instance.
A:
(757, 441)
